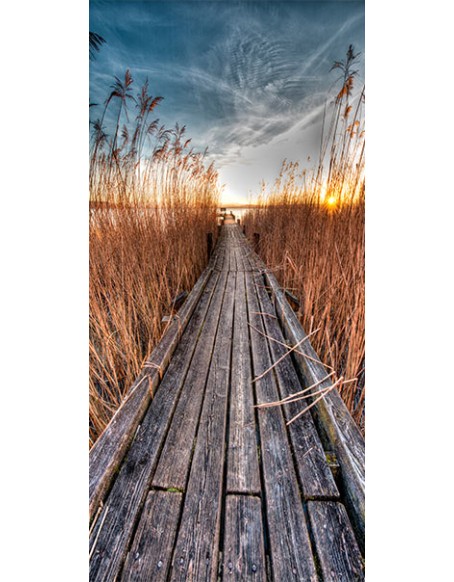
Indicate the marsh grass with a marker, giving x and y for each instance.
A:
(312, 234)
(152, 201)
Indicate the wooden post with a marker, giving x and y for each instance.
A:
(238, 221)
(209, 244)
(219, 229)
(256, 242)
(244, 229)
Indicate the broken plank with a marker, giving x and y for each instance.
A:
(196, 550)
(338, 553)
(244, 554)
(151, 550)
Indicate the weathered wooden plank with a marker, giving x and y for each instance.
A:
(252, 258)
(242, 463)
(244, 553)
(175, 459)
(316, 477)
(108, 451)
(151, 550)
(338, 553)
(233, 264)
(244, 252)
(241, 266)
(229, 250)
(219, 251)
(196, 550)
(236, 255)
(291, 553)
(336, 427)
(124, 502)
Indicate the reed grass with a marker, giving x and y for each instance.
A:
(312, 234)
(152, 201)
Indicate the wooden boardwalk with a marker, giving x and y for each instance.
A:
(199, 484)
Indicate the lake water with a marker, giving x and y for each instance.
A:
(238, 212)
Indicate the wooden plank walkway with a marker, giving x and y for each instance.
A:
(192, 482)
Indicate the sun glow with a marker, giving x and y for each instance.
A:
(331, 201)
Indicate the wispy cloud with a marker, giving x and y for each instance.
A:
(247, 79)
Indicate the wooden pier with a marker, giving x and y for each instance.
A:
(191, 481)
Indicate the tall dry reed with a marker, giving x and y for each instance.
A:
(312, 227)
(152, 201)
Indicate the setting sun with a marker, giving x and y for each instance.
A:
(331, 201)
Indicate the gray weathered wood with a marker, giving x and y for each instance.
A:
(338, 554)
(291, 552)
(125, 500)
(232, 257)
(108, 451)
(151, 550)
(218, 256)
(196, 550)
(335, 425)
(244, 553)
(175, 459)
(315, 475)
(242, 463)
(197, 443)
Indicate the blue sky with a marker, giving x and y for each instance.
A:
(248, 79)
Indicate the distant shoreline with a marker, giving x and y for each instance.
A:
(105, 204)
(237, 206)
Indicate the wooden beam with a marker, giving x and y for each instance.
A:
(291, 553)
(335, 424)
(111, 538)
(338, 553)
(196, 551)
(149, 556)
(244, 553)
(108, 451)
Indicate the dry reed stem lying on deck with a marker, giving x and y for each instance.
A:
(291, 396)
(323, 393)
(263, 313)
(99, 531)
(285, 345)
(283, 356)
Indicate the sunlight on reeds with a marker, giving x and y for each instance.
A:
(312, 229)
(152, 201)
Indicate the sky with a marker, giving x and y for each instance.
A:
(249, 80)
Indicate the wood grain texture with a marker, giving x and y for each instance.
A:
(175, 459)
(125, 500)
(242, 462)
(149, 556)
(200, 444)
(196, 550)
(338, 553)
(336, 427)
(108, 451)
(315, 475)
(291, 552)
(244, 553)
